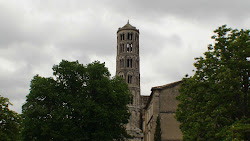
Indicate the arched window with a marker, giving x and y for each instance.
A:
(128, 46)
(121, 74)
(130, 36)
(131, 100)
(120, 49)
(122, 36)
(121, 63)
(131, 46)
(129, 80)
(129, 63)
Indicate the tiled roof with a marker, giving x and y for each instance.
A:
(127, 26)
(166, 86)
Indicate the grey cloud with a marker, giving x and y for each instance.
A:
(35, 35)
(192, 9)
(96, 39)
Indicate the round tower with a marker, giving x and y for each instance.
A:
(128, 67)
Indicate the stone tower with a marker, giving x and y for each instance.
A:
(128, 67)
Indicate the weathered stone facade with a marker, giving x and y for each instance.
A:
(162, 102)
(128, 67)
(145, 109)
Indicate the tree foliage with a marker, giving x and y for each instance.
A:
(157, 135)
(79, 103)
(214, 103)
(10, 122)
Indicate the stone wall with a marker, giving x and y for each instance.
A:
(162, 102)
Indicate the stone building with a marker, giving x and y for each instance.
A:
(128, 67)
(145, 109)
(162, 103)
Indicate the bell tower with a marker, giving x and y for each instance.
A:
(128, 67)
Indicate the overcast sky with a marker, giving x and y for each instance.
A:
(36, 34)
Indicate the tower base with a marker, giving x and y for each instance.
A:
(135, 133)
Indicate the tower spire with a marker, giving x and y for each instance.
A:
(128, 21)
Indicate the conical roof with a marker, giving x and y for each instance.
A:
(128, 26)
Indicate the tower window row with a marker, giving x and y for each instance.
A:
(128, 48)
(122, 36)
(129, 36)
(128, 63)
(130, 78)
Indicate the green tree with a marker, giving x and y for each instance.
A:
(79, 103)
(157, 135)
(10, 122)
(214, 103)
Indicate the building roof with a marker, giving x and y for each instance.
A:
(166, 86)
(128, 26)
(170, 85)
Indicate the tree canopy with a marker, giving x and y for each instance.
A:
(10, 122)
(214, 102)
(79, 103)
